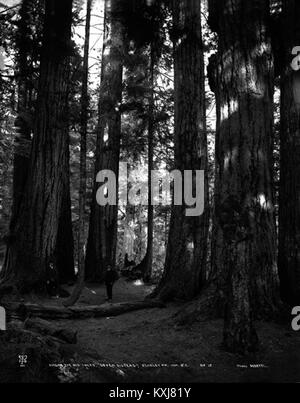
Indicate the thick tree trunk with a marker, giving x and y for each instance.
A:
(146, 264)
(64, 251)
(217, 279)
(83, 173)
(24, 118)
(289, 208)
(147, 269)
(34, 237)
(245, 248)
(102, 239)
(185, 267)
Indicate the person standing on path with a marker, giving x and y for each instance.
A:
(110, 277)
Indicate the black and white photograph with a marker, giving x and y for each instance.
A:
(149, 194)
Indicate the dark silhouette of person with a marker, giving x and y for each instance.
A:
(52, 283)
(110, 277)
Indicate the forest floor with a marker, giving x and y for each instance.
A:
(148, 345)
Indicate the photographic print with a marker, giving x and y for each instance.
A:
(149, 194)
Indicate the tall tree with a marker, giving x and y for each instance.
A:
(24, 107)
(34, 235)
(185, 271)
(102, 239)
(147, 269)
(63, 257)
(289, 204)
(245, 250)
(147, 97)
(83, 171)
(145, 32)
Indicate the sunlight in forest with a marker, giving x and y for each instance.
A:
(190, 246)
(230, 157)
(229, 109)
(181, 120)
(106, 135)
(263, 202)
(260, 49)
(92, 291)
(180, 40)
(138, 282)
(106, 50)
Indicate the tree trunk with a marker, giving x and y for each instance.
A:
(64, 251)
(245, 252)
(289, 204)
(147, 270)
(102, 239)
(35, 232)
(185, 267)
(83, 174)
(145, 266)
(216, 280)
(24, 119)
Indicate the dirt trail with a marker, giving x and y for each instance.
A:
(148, 346)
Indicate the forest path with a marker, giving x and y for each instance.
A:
(123, 291)
(147, 345)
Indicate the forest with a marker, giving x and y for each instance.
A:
(150, 154)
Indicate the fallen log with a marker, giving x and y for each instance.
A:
(82, 311)
(49, 329)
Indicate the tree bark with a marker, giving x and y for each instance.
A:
(147, 269)
(185, 267)
(26, 96)
(34, 237)
(102, 239)
(64, 251)
(145, 266)
(289, 203)
(216, 280)
(24, 106)
(245, 247)
(83, 173)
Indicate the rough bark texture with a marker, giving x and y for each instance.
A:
(26, 96)
(83, 173)
(64, 251)
(34, 238)
(244, 233)
(185, 267)
(289, 209)
(24, 120)
(149, 254)
(102, 239)
(145, 266)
